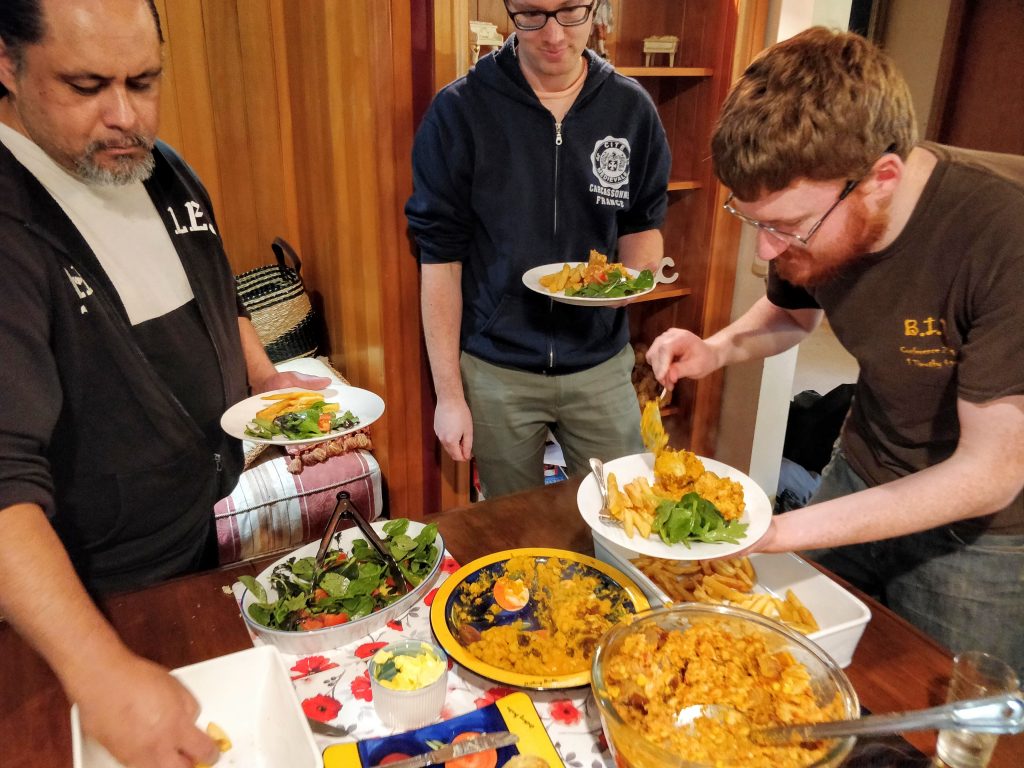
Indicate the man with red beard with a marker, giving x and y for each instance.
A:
(915, 253)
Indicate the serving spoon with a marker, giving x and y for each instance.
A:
(994, 714)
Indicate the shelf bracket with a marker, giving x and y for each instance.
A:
(660, 276)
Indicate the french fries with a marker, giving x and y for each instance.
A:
(578, 276)
(289, 402)
(219, 737)
(729, 581)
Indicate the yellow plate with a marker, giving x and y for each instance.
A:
(447, 633)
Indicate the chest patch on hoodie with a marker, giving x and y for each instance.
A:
(610, 164)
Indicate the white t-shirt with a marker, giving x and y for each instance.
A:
(123, 228)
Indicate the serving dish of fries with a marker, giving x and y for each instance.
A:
(783, 587)
(296, 416)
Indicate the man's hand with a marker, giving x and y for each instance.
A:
(677, 354)
(144, 717)
(283, 379)
(453, 425)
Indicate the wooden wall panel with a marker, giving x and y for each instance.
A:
(299, 121)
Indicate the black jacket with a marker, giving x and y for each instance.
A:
(87, 429)
(501, 188)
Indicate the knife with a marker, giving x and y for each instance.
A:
(450, 752)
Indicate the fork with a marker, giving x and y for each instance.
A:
(604, 514)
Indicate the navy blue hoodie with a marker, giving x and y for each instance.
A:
(501, 188)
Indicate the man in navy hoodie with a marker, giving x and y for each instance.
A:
(537, 156)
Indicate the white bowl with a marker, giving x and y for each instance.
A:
(840, 615)
(250, 696)
(301, 642)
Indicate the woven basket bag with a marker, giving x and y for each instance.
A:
(279, 306)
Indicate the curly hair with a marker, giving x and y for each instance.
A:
(22, 24)
(821, 105)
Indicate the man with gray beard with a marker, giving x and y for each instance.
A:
(122, 343)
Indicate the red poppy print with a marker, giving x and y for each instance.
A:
(564, 712)
(430, 597)
(361, 687)
(491, 695)
(311, 665)
(448, 565)
(322, 708)
(396, 625)
(366, 650)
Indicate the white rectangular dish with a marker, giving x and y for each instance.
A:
(841, 616)
(250, 696)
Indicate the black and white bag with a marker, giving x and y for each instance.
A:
(279, 306)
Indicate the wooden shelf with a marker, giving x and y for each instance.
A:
(664, 291)
(665, 71)
(674, 186)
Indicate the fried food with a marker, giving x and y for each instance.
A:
(652, 431)
(574, 278)
(656, 673)
(726, 580)
(220, 738)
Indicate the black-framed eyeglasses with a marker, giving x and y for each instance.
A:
(782, 235)
(570, 16)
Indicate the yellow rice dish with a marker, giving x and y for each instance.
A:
(569, 612)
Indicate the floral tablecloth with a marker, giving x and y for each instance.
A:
(334, 688)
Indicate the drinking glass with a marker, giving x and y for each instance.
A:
(975, 675)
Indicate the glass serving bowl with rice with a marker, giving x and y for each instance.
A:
(685, 686)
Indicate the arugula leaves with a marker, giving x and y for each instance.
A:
(299, 425)
(694, 518)
(617, 286)
(355, 584)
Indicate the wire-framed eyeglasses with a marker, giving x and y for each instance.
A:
(791, 236)
(569, 16)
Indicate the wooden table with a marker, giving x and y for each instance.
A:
(194, 618)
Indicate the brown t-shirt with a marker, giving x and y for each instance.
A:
(936, 316)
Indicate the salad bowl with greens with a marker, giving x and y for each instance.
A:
(302, 608)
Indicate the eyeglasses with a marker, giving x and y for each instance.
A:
(781, 235)
(570, 16)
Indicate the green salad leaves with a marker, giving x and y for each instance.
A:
(694, 518)
(348, 586)
(299, 425)
(617, 285)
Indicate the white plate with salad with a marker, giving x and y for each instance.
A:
(757, 514)
(617, 288)
(307, 415)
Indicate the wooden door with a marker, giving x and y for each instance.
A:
(979, 98)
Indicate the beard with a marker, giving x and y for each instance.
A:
(127, 169)
(811, 267)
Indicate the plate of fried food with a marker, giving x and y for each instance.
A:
(672, 504)
(296, 416)
(531, 617)
(591, 283)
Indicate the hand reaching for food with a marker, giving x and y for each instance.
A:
(680, 354)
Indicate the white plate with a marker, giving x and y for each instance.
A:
(365, 405)
(250, 695)
(757, 515)
(531, 279)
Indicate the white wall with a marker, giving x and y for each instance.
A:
(913, 37)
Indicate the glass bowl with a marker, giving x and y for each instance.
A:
(616, 690)
(420, 698)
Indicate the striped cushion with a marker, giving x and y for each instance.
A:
(272, 509)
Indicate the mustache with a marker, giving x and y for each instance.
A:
(128, 141)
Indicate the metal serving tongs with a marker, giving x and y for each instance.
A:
(995, 714)
(346, 509)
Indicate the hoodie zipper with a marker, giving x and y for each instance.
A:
(554, 233)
